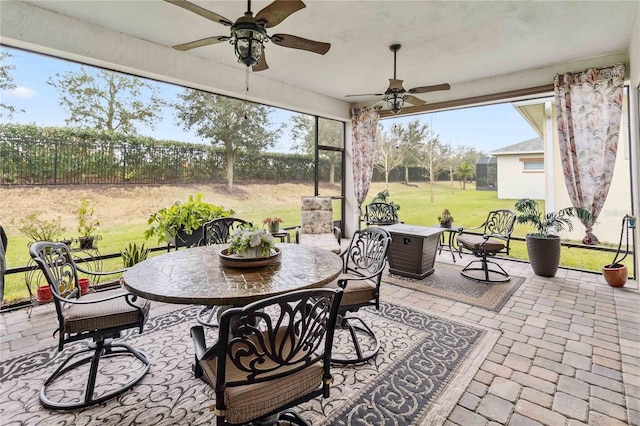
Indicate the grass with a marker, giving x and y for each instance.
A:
(123, 212)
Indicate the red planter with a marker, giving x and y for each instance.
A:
(615, 275)
(44, 294)
(84, 285)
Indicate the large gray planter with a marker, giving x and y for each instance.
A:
(182, 239)
(544, 254)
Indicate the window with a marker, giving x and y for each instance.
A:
(532, 164)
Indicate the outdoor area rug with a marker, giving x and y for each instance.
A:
(447, 281)
(425, 363)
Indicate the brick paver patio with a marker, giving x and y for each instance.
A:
(569, 353)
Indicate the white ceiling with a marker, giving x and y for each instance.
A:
(442, 41)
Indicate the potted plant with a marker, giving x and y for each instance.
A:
(87, 225)
(133, 254)
(180, 225)
(445, 219)
(616, 273)
(543, 246)
(273, 223)
(250, 242)
(41, 229)
(383, 197)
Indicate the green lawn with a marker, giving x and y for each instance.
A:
(468, 207)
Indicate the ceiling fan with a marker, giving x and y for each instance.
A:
(396, 95)
(249, 33)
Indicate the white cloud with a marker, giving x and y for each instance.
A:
(20, 92)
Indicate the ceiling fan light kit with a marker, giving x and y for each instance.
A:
(248, 40)
(249, 34)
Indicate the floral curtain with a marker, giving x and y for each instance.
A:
(364, 126)
(588, 110)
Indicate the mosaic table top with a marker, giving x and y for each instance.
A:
(195, 276)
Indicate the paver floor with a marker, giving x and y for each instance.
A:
(569, 353)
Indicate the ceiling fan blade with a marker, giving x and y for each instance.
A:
(414, 101)
(425, 89)
(278, 11)
(395, 85)
(366, 94)
(262, 63)
(200, 43)
(201, 11)
(294, 42)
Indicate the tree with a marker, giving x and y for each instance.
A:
(6, 83)
(107, 100)
(329, 134)
(465, 173)
(387, 153)
(410, 140)
(235, 125)
(433, 157)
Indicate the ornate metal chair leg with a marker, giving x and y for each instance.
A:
(361, 356)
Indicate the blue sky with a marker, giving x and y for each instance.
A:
(485, 128)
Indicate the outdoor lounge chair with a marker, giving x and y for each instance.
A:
(316, 227)
(270, 356)
(363, 263)
(495, 239)
(100, 316)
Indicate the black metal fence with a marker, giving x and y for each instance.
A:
(35, 161)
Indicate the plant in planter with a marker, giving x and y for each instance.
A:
(445, 219)
(543, 246)
(273, 223)
(87, 225)
(249, 241)
(180, 225)
(616, 273)
(133, 254)
(383, 197)
(41, 229)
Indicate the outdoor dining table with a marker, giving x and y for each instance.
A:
(196, 276)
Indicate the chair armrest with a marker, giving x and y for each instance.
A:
(130, 298)
(99, 273)
(343, 282)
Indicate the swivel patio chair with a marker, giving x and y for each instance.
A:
(363, 263)
(316, 227)
(270, 356)
(100, 316)
(380, 214)
(217, 231)
(495, 239)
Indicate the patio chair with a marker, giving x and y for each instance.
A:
(495, 239)
(379, 213)
(270, 356)
(316, 227)
(217, 231)
(363, 262)
(100, 316)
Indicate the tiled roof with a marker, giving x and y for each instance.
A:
(532, 145)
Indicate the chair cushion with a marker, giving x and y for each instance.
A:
(252, 401)
(477, 243)
(357, 292)
(325, 241)
(316, 222)
(316, 203)
(100, 316)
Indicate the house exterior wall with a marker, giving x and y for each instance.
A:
(514, 182)
(618, 202)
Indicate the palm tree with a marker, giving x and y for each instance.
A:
(465, 173)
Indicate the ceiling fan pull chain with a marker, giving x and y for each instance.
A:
(246, 92)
